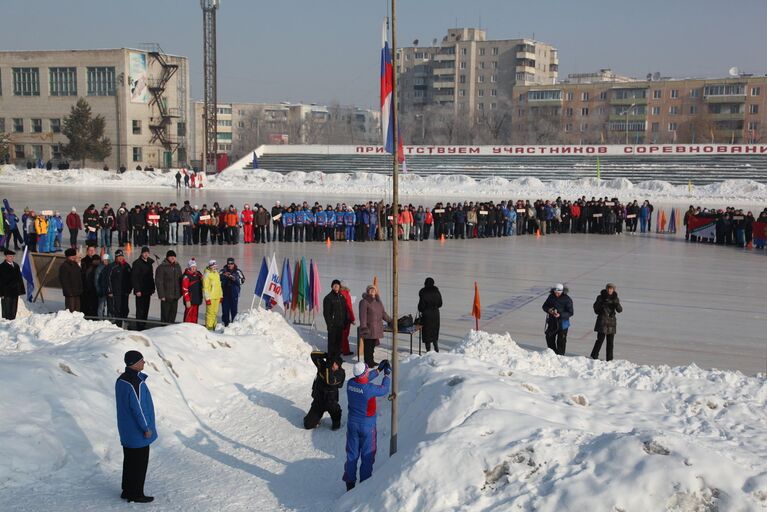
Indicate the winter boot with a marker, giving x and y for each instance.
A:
(349, 486)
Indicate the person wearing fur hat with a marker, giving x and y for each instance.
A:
(429, 302)
(559, 309)
(119, 286)
(167, 279)
(191, 291)
(334, 311)
(71, 279)
(606, 307)
(11, 285)
(361, 394)
(136, 425)
(213, 294)
(330, 378)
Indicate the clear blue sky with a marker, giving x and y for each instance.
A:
(325, 51)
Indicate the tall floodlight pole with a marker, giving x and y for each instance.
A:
(210, 109)
(395, 232)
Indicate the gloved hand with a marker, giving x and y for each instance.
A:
(207, 302)
(385, 366)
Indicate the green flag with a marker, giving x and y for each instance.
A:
(303, 286)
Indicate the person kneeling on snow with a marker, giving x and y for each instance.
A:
(330, 378)
(361, 432)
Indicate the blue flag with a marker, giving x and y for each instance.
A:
(286, 282)
(26, 273)
(263, 274)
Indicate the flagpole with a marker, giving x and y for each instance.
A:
(395, 232)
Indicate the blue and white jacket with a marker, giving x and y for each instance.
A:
(362, 398)
(135, 410)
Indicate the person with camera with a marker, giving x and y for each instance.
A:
(330, 378)
(606, 307)
(559, 309)
(361, 433)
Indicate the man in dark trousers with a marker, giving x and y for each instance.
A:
(136, 424)
(559, 309)
(232, 279)
(334, 311)
(167, 279)
(11, 285)
(71, 278)
(330, 378)
(142, 276)
(119, 286)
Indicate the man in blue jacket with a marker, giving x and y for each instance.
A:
(232, 279)
(361, 433)
(136, 424)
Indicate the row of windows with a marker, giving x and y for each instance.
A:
(62, 81)
(36, 151)
(36, 125)
(480, 79)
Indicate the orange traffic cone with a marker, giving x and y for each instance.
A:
(750, 245)
(537, 233)
(128, 247)
(442, 237)
(328, 242)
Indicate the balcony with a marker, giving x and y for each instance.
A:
(545, 103)
(725, 98)
(526, 55)
(446, 84)
(442, 98)
(443, 71)
(628, 101)
(622, 117)
(728, 116)
(526, 69)
(444, 57)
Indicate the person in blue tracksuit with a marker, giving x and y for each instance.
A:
(136, 424)
(232, 279)
(298, 230)
(320, 219)
(373, 223)
(349, 220)
(361, 433)
(330, 223)
(289, 220)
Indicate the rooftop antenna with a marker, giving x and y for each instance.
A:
(656, 76)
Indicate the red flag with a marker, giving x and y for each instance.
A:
(476, 308)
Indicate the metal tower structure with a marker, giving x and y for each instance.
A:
(210, 118)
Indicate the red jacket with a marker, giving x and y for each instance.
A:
(575, 211)
(349, 306)
(247, 216)
(74, 221)
(428, 218)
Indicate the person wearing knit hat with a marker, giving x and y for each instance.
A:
(329, 379)
(167, 279)
(11, 285)
(191, 292)
(606, 307)
(335, 312)
(136, 425)
(213, 294)
(559, 308)
(361, 394)
(232, 280)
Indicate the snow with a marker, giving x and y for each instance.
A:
(411, 185)
(489, 426)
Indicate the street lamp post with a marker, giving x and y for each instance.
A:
(626, 113)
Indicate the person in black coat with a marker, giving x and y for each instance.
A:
(71, 279)
(334, 311)
(429, 302)
(142, 276)
(606, 307)
(119, 286)
(90, 297)
(11, 285)
(559, 309)
(330, 378)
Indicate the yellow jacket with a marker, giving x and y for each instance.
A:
(211, 286)
(41, 225)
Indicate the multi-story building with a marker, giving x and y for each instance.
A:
(142, 95)
(244, 126)
(470, 73)
(723, 110)
(603, 75)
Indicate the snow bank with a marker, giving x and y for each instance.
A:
(495, 427)
(412, 185)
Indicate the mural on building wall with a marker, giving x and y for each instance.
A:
(139, 84)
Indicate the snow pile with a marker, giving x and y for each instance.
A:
(495, 427)
(372, 185)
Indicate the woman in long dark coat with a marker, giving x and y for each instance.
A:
(429, 302)
(606, 306)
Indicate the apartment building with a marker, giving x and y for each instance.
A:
(142, 95)
(723, 110)
(470, 73)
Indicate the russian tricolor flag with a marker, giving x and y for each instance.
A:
(387, 90)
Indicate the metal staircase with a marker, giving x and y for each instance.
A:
(160, 124)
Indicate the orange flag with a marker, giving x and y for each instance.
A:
(663, 220)
(375, 281)
(476, 309)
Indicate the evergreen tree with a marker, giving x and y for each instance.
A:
(85, 134)
(5, 148)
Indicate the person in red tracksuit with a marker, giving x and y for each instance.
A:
(350, 320)
(191, 291)
(247, 224)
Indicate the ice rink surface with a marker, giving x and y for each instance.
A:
(683, 303)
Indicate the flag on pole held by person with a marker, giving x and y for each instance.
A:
(27, 274)
(273, 287)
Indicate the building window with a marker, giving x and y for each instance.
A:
(136, 154)
(480, 106)
(657, 94)
(19, 150)
(603, 95)
(56, 151)
(585, 111)
(495, 65)
(656, 111)
(26, 82)
(462, 79)
(18, 125)
(481, 65)
(480, 79)
(693, 109)
(673, 110)
(695, 93)
(569, 127)
(493, 79)
(181, 129)
(101, 81)
(672, 127)
(462, 65)
(481, 52)
(493, 106)
(570, 96)
(494, 92)
(461, 92)
(655, 127)
(37, 126)
(584, 96)
(37, 152)
(724, 90)
(495, 51)
(753, 109)
(569, 112)
(481, 93)
(55, 125)
(756, 91)
(63, 81)
(602, 111)
(674, 93)
(753, 125)
(584, 127)
(521, 112)
(136, 127)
